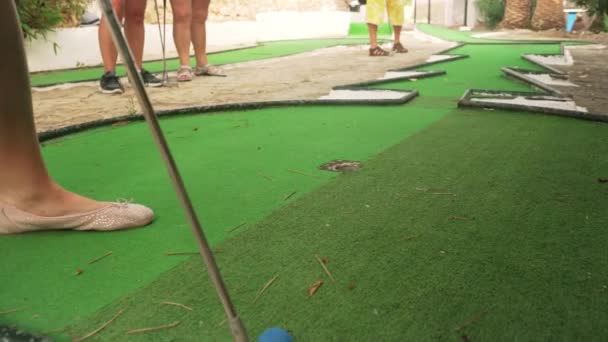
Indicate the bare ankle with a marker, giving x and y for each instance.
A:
(49, 200)
(19, 196)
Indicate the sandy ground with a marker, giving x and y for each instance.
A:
(590, 73)
(304, 76)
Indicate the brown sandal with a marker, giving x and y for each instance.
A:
(377, 52)
(399, 48)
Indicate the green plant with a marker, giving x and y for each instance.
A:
(492, 11)
(599, 9)
(38, 17)
(71, 10)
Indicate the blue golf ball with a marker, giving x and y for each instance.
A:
(275, 335)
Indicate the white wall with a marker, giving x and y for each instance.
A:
(447, 12)
(79, 46)
(302, 25)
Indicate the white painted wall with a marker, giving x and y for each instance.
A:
(302, 25)
(79, 46)
(447, 12)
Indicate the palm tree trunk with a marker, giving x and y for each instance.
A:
(517, 14)
(549, 14)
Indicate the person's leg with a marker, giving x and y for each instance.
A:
(373, 35)
(24, 180)
(396, 18)
(29, 198)
(109, 54)
(200, 11)
(135, 31)
(182, 20)
(397, 33)
(109, 82)
(375, 14)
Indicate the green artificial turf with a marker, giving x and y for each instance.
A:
(481, 70)
(236, 167)
(454, 35)
(360, 29)
(487, 225)
(263, 51)
(467, 36)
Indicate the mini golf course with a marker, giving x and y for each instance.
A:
(262, 51)
(463, 224)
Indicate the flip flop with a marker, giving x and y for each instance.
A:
(209, 70)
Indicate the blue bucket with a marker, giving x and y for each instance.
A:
(570, 20)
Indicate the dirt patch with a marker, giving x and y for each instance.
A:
(341, 166)
(304, 76)
(590, 74)
(589, 71)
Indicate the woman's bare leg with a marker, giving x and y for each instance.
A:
(182, 21)
(109, 54)
(200, 11)
(135, 31)
(24, 179)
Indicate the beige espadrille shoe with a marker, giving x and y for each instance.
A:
(113, 216)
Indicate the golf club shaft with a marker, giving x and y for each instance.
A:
(236, 326)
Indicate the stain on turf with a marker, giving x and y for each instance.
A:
(341, 166)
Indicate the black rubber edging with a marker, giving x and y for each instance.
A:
(538, 72)
(543, 65)
(412, 68)
(453, 57)
(201, 110)
(365, 84)
(546, 66)
(466, 102)
(512, 73)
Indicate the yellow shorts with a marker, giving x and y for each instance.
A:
(376, 9)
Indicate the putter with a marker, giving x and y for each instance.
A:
(162, 32)
(237, 328)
